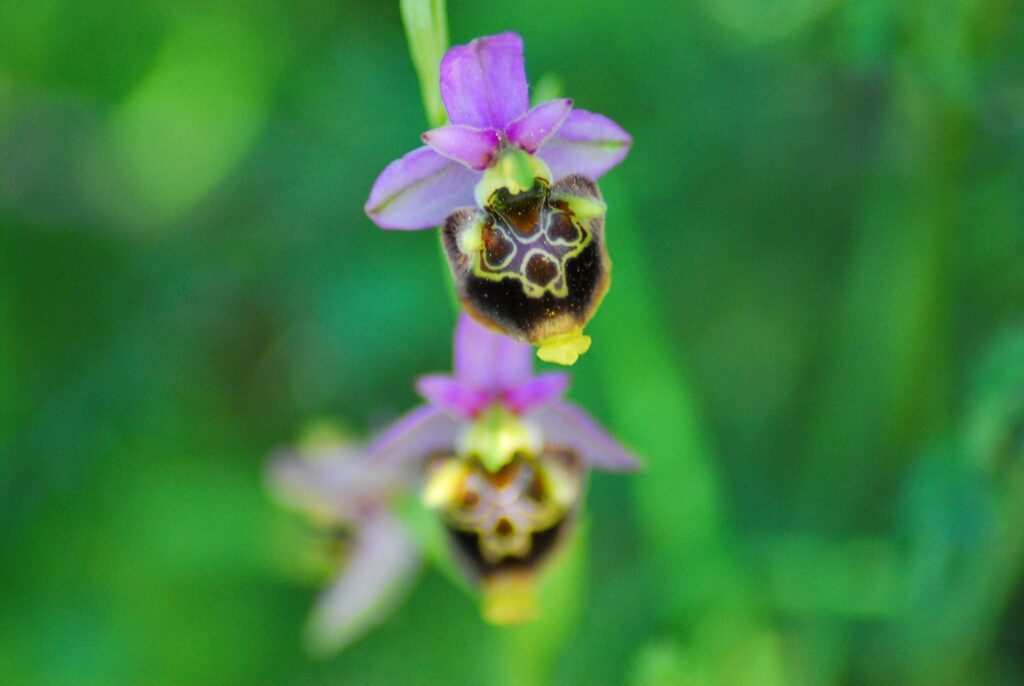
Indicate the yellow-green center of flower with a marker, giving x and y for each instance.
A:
(505, 524)
(496, 437)
(515, 170)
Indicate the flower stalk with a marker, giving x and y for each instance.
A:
(426, 31)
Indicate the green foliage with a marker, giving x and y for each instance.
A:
(813, 338)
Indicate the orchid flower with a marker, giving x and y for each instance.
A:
(529, 173)
(504, 459)
(495, 452)
(338, 485)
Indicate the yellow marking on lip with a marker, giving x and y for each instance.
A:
(473, 247)
(470, 239)
(445, 484)
(582, 208)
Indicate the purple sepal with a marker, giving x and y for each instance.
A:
(488, 360)
(382, 564)
(474, 148)
(587, 144)
(535, 127)
(335, 482)
(538, 391)
(453, 395)
(483, 84)
(422, 432)
(564, 424)
(419, 191)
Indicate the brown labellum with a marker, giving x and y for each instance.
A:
(504, 526)
(532, 265)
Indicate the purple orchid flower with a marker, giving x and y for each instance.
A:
(484, 89)
(505, 459)
(496, 452)
(338, 485)
(514, 187)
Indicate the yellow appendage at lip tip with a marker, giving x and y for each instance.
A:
(564, 349)
(509, 599)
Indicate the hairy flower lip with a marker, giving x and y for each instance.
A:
(533, 265)
(484, 89)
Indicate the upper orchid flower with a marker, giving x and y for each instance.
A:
(495, 451)
(531, 171)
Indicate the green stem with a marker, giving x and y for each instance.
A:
(526, 655)
(426, 30)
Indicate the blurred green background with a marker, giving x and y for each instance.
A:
(815, 338)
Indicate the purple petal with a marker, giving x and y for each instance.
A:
(419, 190)
(587, 144)
(474, 148)
(453, 395)
(424, 431)
(539, 390)
(536, 126)
(483, 84)
(333, 483)
(380, 569)
(566, 425)
(489, 360)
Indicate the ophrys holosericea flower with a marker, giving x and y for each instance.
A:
(496, 453)
(530, 219)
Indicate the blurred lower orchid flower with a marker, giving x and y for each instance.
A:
(339, 486)
(504, 458)
(527, 246)
(495, 452)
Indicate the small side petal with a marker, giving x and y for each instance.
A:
(587, 144)
(453, 396)
(379, 572)
(540, 390)
(419, 190)
(564, 424)
(332, 484)
(489, 360)
(420, 433)
(531, 130)
(474, 148)
(483, 84)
